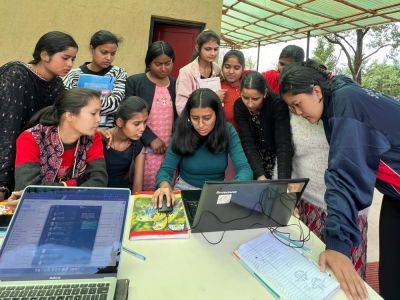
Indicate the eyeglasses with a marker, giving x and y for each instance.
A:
(196, 121)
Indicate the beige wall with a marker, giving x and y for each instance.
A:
(22, 22)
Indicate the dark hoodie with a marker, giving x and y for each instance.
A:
(363, 129)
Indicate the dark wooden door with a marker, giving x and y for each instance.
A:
(181, 37)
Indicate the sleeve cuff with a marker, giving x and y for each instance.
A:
(71, 182)
(336, 244)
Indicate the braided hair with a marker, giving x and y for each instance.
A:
(301, 77)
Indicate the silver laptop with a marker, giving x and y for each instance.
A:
(64, 244)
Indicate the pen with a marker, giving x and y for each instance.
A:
(134, 253)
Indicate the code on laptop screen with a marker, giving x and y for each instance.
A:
(65, 233)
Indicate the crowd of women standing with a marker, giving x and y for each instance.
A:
(155, 132)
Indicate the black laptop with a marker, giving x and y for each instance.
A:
(236, 205)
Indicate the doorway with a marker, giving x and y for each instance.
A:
(180, 35)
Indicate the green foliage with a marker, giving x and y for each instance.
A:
(250, 63)
(386, 35)
(324, 54)
(383, 78)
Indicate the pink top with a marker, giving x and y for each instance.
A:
(188, 82)
(160, 121)
(161, 116)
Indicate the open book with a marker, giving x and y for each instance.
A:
(284, 271)
(148, 223)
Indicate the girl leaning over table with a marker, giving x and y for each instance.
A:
(200, 147)
(310, 160)
(25, 88)
(264, 128)
(157, 87)
(123, 150)
(363, 132)
(63, 146)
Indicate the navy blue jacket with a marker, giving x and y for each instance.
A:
(363, 129)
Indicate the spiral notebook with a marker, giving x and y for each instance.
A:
(284, 271)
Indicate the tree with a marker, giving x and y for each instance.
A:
(250, 63)
(324, 54)
(383, 78)
(352, 44)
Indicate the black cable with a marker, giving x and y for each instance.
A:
(264, 195)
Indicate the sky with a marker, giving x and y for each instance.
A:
(269, 54)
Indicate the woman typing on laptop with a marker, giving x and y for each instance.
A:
(64, 147)
(200, 147)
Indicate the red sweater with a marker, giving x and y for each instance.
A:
(28, 165)
(272, 78)
(231, 95)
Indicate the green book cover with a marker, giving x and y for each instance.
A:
(148, 223)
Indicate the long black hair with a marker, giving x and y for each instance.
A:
(301, 77)
(293, 52)
(52, 43)
(185, 140)
(71, 101)
(156, 49)
(129, 107)
(204, 37)
(102, 37)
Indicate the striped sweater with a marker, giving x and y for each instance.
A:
(110, 102)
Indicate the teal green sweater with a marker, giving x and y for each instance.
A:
(204, 165)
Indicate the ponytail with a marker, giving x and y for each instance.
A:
(48, 113)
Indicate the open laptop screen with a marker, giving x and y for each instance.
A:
(237, 205)
(60, 232)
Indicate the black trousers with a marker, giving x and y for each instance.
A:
(389, 248)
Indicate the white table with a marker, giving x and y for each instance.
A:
(194, 269)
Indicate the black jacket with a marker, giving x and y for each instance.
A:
(277, 139)
(22, 94)
(139, 85)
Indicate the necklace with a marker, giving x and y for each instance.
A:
(123, 146)
(36, 72)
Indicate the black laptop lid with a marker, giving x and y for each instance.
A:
(237, 205)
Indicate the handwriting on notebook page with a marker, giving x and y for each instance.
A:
(288, 272)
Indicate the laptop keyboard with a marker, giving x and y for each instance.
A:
(91, 291)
